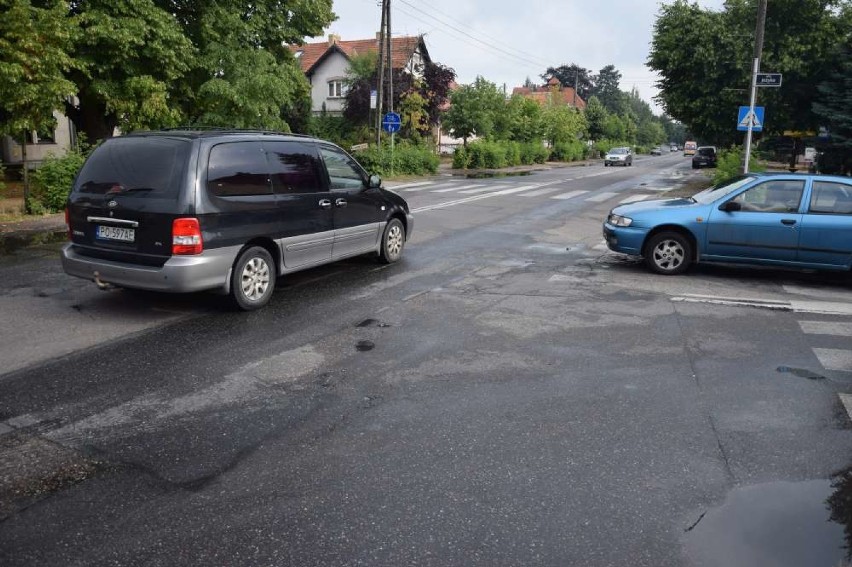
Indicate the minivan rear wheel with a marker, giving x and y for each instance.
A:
(393, 241)
(253, 279)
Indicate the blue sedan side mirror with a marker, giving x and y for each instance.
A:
(730, 206)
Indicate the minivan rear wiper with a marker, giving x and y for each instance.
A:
(119, 189)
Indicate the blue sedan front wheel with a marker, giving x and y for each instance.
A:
(668, 253)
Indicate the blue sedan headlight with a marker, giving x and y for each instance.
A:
(618, 220)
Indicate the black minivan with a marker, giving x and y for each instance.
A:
(225, 210)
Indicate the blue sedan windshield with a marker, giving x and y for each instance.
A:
(719, 191)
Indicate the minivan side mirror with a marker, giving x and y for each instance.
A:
(731, 206)
(374, 182)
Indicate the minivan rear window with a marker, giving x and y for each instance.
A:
(148, 166)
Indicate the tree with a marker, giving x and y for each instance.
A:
(360, 80)
(438, 81)
(412, 111)
(607, 90)
(473, 109)
(520, 120)
(572, 76)
(834, 101)
(130, 54)
(34, 46)
(596, 117)
(563, 124)
(706, 65)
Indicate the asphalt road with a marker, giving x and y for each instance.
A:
(510, 393)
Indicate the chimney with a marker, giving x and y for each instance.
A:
(332, 39)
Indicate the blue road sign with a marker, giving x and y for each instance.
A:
(756, 119)
(391, 122)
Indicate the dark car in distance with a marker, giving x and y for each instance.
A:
(705, 156)
(231, 211)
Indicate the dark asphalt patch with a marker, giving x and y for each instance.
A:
(801, 373)
(364, 346)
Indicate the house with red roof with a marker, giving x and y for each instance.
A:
(552, 93)
(326, 65)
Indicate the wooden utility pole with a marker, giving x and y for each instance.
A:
(381, 85)
(758, 51)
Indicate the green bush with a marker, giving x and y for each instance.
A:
(461, 158)
(407, 160)
(52, 182)
(729, 164)
(568, 151)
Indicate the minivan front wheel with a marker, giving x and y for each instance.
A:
(393, 240)
(668, 253)
(253, 279)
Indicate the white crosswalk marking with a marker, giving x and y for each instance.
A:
(412, 186)
(475, 191)
(834, 359)
(633, 199)
(570, 195)
(516, 189)
(601, 197)
(456, 188)
(826, 328)
(544, 191)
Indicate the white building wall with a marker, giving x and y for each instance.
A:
(334, 67)
(62, 137)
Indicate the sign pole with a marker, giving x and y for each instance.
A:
(758, 51)
(751, 113)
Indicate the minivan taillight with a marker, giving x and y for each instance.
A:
(186, 237)
(68, 223)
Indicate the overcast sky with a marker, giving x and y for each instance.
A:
(507, 41)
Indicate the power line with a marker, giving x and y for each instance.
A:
(521, 55)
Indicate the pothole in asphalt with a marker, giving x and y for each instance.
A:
(801, 373)
(364, 346)
(372, 323)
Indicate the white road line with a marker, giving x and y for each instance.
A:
(601, 197)
(516, 189)
(410, 185)
(834, 359)
(570, 195)
(424, 187)
(846, 399)
(475, 191)
(826, 307)
(826, 328)
(633, 199)
(469, 199)
(456, 188)
(544, 191)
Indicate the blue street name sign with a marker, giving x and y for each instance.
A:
(391, 122)
(756, 119)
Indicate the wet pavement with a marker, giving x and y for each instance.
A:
(778, 524)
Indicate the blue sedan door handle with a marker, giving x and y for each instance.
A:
(788, 222)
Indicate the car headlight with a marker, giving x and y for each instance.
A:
(618, 220)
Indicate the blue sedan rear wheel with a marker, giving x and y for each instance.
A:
(668, 253)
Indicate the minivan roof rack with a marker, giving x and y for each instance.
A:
(224, 130)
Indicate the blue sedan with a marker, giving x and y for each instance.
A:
(802, 221)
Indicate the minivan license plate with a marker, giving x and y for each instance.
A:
(116, 233)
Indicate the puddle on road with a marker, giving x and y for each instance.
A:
(364, 346)
(801, 373)
(12, 243)
(781, 524)
(489, 175)
(372, 323)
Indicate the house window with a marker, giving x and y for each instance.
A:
(336, 89)
(43, 136)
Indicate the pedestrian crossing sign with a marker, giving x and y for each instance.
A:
(756, 119)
